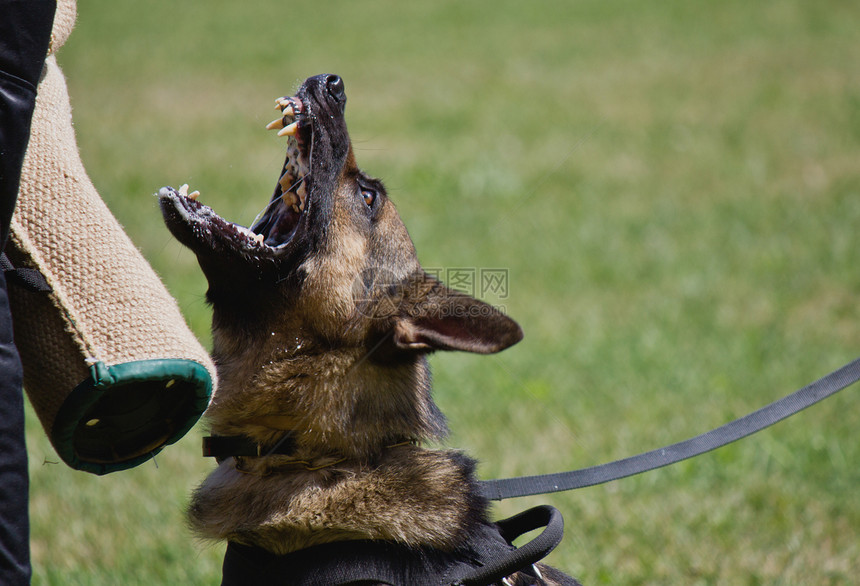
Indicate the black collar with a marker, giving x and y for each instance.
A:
(225, 446)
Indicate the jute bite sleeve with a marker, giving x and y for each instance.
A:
(110, 366)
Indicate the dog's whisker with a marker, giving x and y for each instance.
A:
(279, 443)
(262, 212)
(370, 352)
(275, 200)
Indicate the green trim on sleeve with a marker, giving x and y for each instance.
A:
(126, 413)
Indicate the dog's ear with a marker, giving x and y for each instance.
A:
(434, 317)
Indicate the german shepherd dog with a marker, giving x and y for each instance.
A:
(322, 322)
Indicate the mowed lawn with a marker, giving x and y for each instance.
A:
(670, 191)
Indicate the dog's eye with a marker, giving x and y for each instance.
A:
(368, 195)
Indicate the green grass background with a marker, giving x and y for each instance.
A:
(673, 187)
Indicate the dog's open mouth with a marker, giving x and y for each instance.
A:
(277, 223)
(195, 224)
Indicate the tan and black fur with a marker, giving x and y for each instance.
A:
(323, 318)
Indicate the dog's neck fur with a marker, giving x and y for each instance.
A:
(339, 400)
(354, 419)
(409, 495)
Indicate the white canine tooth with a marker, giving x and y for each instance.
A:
(258, 238)
(289, 130)
(194, 195)
(288, 110)
(279, 123)
(283, 102)
(183, 190)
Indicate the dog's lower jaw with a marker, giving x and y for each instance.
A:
(412, 496)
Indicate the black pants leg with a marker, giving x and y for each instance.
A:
(25, 30)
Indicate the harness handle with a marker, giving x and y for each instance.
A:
(505, 564)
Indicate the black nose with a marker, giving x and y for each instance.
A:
(334, 85)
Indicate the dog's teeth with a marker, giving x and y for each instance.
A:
(286, 181)
(289, 130)
(258, 238)
(279, 123)
(302, 192)
(290, 198)
(288, 110)
(284, 103)
(194, 195)
(183, 190)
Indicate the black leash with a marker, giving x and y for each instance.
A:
(834, 382)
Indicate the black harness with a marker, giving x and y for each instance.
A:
(487, 559)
